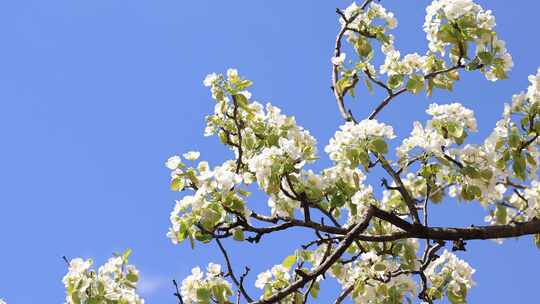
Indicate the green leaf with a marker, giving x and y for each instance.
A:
(415, 84)
(289, 261)
(485, 57)
(471, 172)
(132, 277)
(519, 166)
(378, 145)
(537, 240)
(500, 214)
(203, 295)
(368, 85)
(314, 292)
(395, 81)
(243, 84)
(363, 47)
(537, 127)
(470, 192)
(241, 100)
(126, 254)
(177, 184)
(486, 174)
(454, 298)
(447, 33)
(238, 235)
(531, 160)
(379, 267)
(343, 83)
(514, 140)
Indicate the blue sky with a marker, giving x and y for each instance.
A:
(95, 95)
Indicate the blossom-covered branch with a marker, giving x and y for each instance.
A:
(363, 236)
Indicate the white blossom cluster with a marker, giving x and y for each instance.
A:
(453, 114)
(427, 139)
(366, 17)
(449, 124)
(508, 159)
(201, 288)
(204, 207)
(352, 141)
(450, 274)
(272, 145)
(2, 301)
(457, 22)
(532, 195)
(366, 21)
(394, 65)
(277, 277)
(114, 282)
(368, 274)
(274, 280)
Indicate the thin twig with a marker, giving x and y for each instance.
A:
(177, 293)
(231, 272)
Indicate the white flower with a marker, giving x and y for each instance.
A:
(189, 286)
(339, 60)
(211, 283)
(262, 163)
(454, 113)
(173, 162)
(262, 279)
(78, 266)
(425, 138)
(448, 265)
(532, 194)
(191, 155)
(457, 8)
(362, 199)
(290, 148)
(232, 73)
(114, 281)
(214, 269)
(225, 178)
(281, 205)
(210, 79)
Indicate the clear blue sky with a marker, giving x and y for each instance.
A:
(95, 95)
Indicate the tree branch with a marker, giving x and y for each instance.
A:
(401, 188)
(238, 284)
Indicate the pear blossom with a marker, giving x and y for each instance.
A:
(114, 281)
(191, 155)
(275, 278)
(263, 278)
(339, 59)
(211, 285)
(443, 15)
(448, 272)
(173, 162)
(350, 135)
(226, 178)
(210, 79)
(452, 113)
